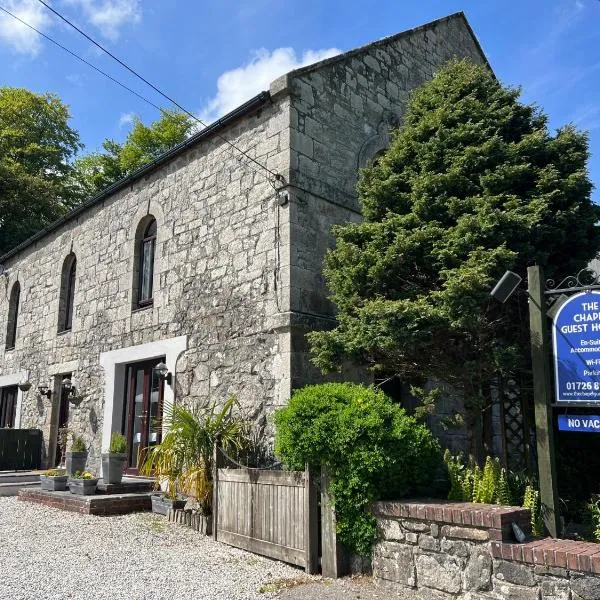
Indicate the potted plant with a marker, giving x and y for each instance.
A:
(183, 460)
(83, 483)
(54, 480)
(113, 461)
(77, 456)
(162, 464)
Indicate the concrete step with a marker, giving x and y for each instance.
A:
(12, 489)
(19, 476)
(129, 485)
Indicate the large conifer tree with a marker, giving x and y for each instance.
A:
(473, 184)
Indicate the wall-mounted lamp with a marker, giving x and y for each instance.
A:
(25, 386)
(163, 373)
(45, 390)
(71, 390)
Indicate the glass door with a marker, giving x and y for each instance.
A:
(142, 415)
(63, 424)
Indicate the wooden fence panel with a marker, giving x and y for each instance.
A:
(20, 449)
(273, 513)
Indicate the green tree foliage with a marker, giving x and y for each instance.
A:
(371, 447)
(98, 170)
(473, 184)
(36, 147)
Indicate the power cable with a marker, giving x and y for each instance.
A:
(156, 89)
(89, 64)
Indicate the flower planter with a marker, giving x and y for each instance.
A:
(113, 466)
(161, 505)
(53, 484)
(76, 462)
(83, 487)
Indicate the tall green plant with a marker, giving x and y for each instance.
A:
(184, 459)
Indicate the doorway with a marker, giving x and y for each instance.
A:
(142, 411)
(62, 431)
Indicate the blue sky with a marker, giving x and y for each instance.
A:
(211, 56)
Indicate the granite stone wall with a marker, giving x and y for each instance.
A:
(218, 278)
(341, 114)
(463, 551)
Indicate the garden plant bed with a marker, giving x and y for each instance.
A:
(98, 504)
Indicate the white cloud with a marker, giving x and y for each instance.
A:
(109, 16)
(126, 119)
(19, 38)
(238, 85)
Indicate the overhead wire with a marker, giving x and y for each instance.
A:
(83, 60)
(156, 89)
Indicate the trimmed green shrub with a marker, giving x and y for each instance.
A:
(371, 447)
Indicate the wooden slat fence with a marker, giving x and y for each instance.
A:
(273, 513)
(20, 449)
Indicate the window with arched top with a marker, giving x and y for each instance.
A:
(13, 313)
(145, 250)
(67, 293)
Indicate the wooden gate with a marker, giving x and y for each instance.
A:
(273, 513)
(20, 449)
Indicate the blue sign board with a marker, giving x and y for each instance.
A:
(585, 423)
(576, 345)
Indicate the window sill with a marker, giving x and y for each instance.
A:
(138, 309)
(9, 349)
(64, 331)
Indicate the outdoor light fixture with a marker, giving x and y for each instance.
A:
(71, 390)
(504, 289)
(25, 386)
(519, 533)
(45, 390)
(163, 373)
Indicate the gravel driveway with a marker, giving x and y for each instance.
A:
(47, 553)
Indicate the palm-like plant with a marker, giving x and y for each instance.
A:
(184, 459)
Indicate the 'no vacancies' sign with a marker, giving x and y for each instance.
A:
(576, 345)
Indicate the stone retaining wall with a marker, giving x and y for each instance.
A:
(444, 550)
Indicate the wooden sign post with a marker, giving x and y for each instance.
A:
(542, 398)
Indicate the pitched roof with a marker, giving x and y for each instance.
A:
(214, 129)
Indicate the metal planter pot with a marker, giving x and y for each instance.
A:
(161, 505)
(113, 466)
(76, 462)
(83, 487)
(54, 484)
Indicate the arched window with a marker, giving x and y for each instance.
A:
(13, 312)
(67, 294)
(144, 260)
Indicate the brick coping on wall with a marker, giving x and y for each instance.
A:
(484, 522)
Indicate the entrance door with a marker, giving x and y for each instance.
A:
(63, 423)
(142, 414)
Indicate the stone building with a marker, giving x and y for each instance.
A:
(203, 260)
